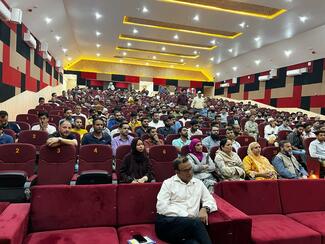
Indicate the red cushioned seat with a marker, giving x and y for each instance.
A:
(280, 229)
(314, 220)
(125, 233)
(34, 137)
(96, 235)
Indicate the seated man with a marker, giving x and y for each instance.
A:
(8, 125)
(44, 125)
(77, 112)
(182, 140)
(97, 136)
(317, 150)
(78, 127)
(296, 140)
(4, 138)
(153, 139)
(194, 130)
(183, 205)
(230, 135)
(123, 139)
(167, 130)
(144, 127)
(213, 140)
(286, 164)
(62, 136)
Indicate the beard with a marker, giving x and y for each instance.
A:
(215, 137)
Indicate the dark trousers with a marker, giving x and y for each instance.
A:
(183, 230)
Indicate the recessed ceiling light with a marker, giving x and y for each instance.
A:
(257, 39)
(176, 37)
(129, 44)
(213, 42)
(145, 10)
(234, 68)
(48, 20)
(303, 19)
(121, 61)
(197, 65)
(135, 31)
(287, 52)
(218, 74)
(97, 54)
(98, 15)
(58, 38)
(195, 52)
(124, 53)
(257, 62)
(242, 24)
(64, 50)
(69, 58)
(98, 45)
(230, 50)
(212, 59)
(163, 48)
(196, 17)
(172, 66)
(182, 60)
(154, 57)
(147, 63)
(98, 33)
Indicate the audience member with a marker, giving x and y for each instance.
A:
(183, 221)
(77, 112)
(230, 135)
(136, 167)
(183, 139)
(296, 141)
(211, 113)
(317, 150)
(144, 127)
(256, 166)
(123, 139)
(8, 125)
(194, 130)
(228, 164)
(307, 132)
(115, 120)
(286, 164)
(251, 127)
(68, 115)
(63, 136)
(202, 164)
(167, 130)
(134, 122)
(182, 99)
(41, 101)
(198, 102)
(97, 136)
(78, 127)
(213, 140)
(285, 125)
(44, 125)
(186, 117)
(156, 122)
(271, 131)
(4, 138)
(153, 139)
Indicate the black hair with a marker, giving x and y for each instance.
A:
(318, 132)
(194, 122)
(3, 113)
(66, 109)
(98, 118)
(223, 142)
(178, 161)
(43, 113)
(150, 129)
(41, 98)
(123, 123)
(281, 143)
(299, 125)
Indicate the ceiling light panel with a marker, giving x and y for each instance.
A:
(181, 28)
(166, 42)
(180, 55)
(234, 7)
(150, 60)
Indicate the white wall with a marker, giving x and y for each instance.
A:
(147, 84)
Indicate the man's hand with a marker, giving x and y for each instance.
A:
(203, 216)
(53, 141)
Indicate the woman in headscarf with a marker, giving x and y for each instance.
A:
(136, 167)
(202, 164)
(228, 164)
(257, 166)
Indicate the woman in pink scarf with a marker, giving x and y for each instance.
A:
(202, 164)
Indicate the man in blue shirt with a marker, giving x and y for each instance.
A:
(182, 140)
(97, 136)
(4, 138)
(116, 120)
(8, 125)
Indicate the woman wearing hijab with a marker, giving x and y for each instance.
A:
(228, 164)
(136, 167)
(202, 164)
(257, 166)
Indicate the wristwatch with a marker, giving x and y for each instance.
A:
(207, 209)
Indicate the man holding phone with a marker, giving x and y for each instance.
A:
(183, 205)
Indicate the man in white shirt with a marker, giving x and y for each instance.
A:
(77, 112)
(156, 122)
(183, 205)
(198, 102)
(270, 130)
(44, 125)
(317, 150)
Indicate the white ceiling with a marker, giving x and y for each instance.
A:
(75, 22)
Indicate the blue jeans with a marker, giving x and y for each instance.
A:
(302, 154)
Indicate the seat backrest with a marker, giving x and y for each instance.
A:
(36, 138)
(242, 152)
(10, 132)
(66, 207)
(245, 140)
(28, 118)
(55, 120)
(18, 156)
(169, 138)
(23, 125)
(121, 152)
(251, 197)
(307, 142)
(302, 195)
(213, 151)
(59, 113)
(270, 152)
(56, 165)
(263, 142)
(95, 157)
(136, 203)
(261, 129)
(33, 111)
(282, 134)
(161, 158)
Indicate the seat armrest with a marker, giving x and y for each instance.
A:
(74, 179)
(32, 180)
(14, 223)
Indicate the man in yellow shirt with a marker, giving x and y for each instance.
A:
(78, 127)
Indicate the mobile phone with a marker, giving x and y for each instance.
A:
(139, 238)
